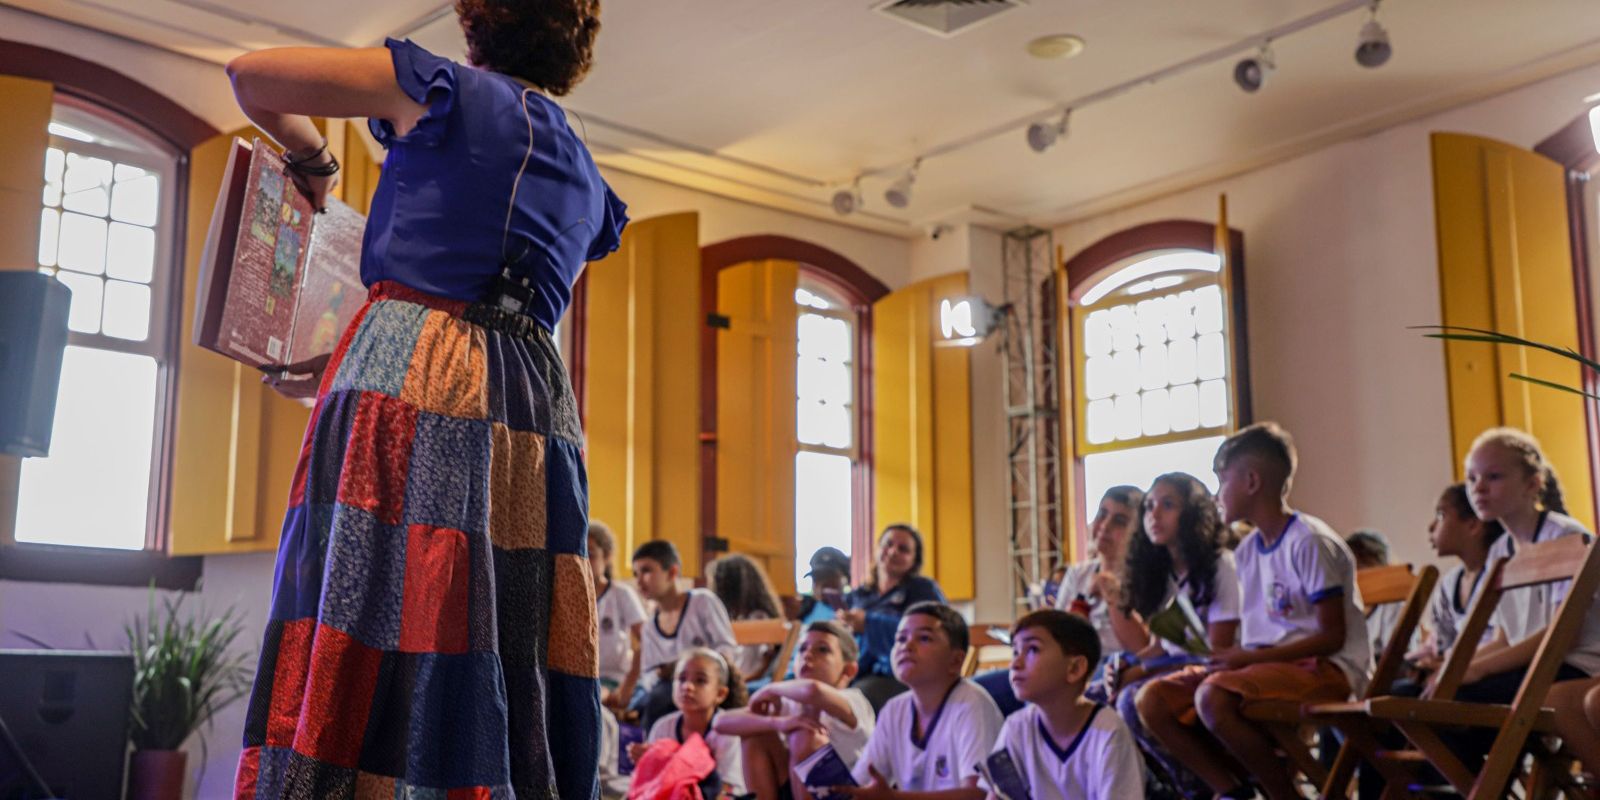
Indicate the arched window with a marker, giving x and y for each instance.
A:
(106, 230)
(1159, 358)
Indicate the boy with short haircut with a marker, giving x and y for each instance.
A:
(682, 621)
(788, 721)
(1303, 634)
(930, 739)
(1064, 746)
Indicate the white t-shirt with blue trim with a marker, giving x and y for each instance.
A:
(1101, 763)
(962, 733)
(1526, 611)
(1280, 584)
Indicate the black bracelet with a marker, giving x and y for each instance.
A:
(316, 170)
(303, 159)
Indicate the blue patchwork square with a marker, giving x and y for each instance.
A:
(336, 414)
(297, 583)
(458, 722)
(566, 499)
(524, 581)
(380, 353)
(365, 578)
(448, 483)
(482, 631)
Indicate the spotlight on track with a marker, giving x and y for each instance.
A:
(1043, 135)
(847, 201)
(1372, 48)
(1251, 73)
(898, 194)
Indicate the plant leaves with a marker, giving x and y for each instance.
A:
(1553, 385)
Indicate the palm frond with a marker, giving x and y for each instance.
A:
(1553, 385)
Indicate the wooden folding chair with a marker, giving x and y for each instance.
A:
(1570, 557)
(984, 649)
(1285, 719)
(780, 633)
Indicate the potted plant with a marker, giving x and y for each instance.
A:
(184, 673)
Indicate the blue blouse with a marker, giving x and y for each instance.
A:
(439, 212)
(884, 611)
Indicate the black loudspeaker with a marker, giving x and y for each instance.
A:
(33, 337)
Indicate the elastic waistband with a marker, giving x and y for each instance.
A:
(486, 315)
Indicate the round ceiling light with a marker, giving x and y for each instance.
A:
(1055, 46)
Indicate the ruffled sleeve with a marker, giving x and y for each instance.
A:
(608, 234)
(425, 78)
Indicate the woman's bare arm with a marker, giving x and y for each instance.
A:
(275, 87)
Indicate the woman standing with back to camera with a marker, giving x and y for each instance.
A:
(433, 614)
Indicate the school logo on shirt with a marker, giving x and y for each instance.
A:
(897, 598)
(941, 767)
(699, 642)
(606, 625)
(1279, 604)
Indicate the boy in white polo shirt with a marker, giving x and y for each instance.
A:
(929, 739)
(682, 622)
(1303, 632)
(1062, 745)
(788, 721)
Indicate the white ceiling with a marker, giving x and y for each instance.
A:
(780, 103)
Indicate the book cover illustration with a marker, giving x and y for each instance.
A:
(1000, 772)
(279, 282)
(1180, 624)
(822, 771)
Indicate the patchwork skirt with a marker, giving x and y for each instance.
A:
(432, 632)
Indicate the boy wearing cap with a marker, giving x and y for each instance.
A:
(830, 582)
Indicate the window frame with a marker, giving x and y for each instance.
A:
(1097, 261)
(101, 90)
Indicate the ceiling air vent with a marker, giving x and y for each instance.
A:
(945, 17)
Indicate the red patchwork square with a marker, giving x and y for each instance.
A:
(244, 780)
(469, 793)
(433, 616)
(344, 674)
(289, 681)
(377, 457)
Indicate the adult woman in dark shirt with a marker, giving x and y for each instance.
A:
(895, 584)
(433, 617)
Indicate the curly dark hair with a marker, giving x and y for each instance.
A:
(549, 43)
(1200, 534)
(743, 587)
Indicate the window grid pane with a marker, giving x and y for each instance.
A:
(1155, 366)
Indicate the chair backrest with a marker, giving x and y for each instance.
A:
(1570, 557)
(1396, 584)
(780, 633)
(1388, 584)
(984, 648)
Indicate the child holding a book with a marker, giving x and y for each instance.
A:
(789, 721)
(930, 739)
(683, 620)
(1061, 745)
(1304, 635)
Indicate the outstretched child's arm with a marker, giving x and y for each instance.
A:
(745, 722)
(815, 694)
(1326, 641)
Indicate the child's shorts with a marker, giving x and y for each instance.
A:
(1310, 680)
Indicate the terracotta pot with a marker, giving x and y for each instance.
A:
(157, 775)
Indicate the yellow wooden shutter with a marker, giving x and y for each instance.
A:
(922, 429)
(756, 441)
(1505, 264)
(23, 139)
(643, 388)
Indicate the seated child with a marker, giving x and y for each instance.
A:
(1455, 531)
(830, 585)
(746, 592)
(621, 617)
(930, 738)
(704, 684)
(1304, 635)
(1371, 550)
(789, 720)
(1063, 745)
(1510, 482)
(1179, 553)
(682, 621)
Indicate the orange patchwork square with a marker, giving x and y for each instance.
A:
(374, 787)
(517, 514)
(449, 369)
(574, 642)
